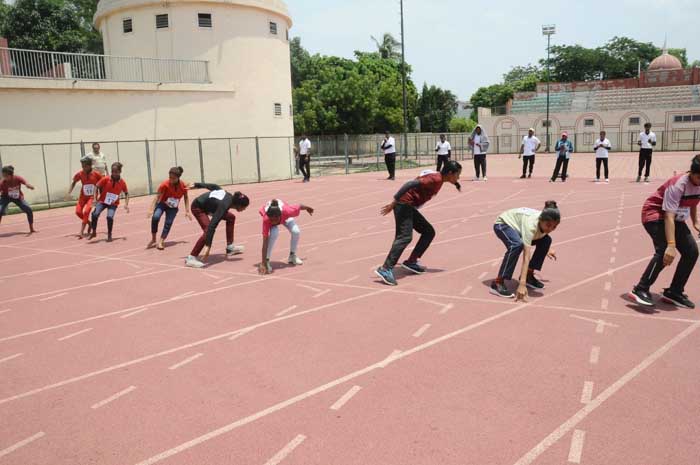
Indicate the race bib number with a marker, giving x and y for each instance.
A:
(172, 202)
(218, 195)
(682, 214)
(110, 199)
(14, 193)
(89, 189)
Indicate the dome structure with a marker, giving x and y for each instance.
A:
(665, 62)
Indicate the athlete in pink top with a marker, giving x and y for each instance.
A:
(275, 213)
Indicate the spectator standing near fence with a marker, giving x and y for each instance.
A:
(479, 142)
(389, 148)
(99, 159)
(305, 157)
(564, 149)
(646, 142)
(528, 149)
(601, 148)
(443, 150)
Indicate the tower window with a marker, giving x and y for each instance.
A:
(273, 28)
(127, 25)
(278, 109)
(162, 21)
(204, 19)
(588, 122)
(634, 121)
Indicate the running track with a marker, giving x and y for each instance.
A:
(112, 354)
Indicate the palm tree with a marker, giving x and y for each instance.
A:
(389, 48)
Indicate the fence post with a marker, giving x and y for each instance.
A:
(82, 149)
(46, 176)
(175, 152)
(291, 157)
(257, 156)
(148, 167)
(201, 159)
(347, 160)
(118, 157)
(0, 159)
(695, 138)
(230, 159)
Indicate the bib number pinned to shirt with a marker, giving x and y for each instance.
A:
(89, 189)
(110, 199)
(172, 202)
(682, 214)
(13, 193)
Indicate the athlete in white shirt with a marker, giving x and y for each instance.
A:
(305, 157)
(389, 148)
(528, 149)
(601, 147)
(646, 142)
(444, 152)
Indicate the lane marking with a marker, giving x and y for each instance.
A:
(212, 276)
(22, 443)
(238, 334)
(349, 280)
(286, 310)
(185, 361)
(604, 304)
(614, 250)
(595, 355)
(483, 275)
(432, 302)
(74, 334)
(53, 297)
(316, 296)
(133, 265)
(224, 280)
(446, 308)
(5, 311)
(182, 296)
(309, 288)
(286, 450)
(587, 392)
(420, 331)
(112, 398)
(579, 416)
(612, 260)
(392, 357)
(600, 324)
(128, 315)
(312, 250)
(467, 290)
(345, 398)
(11, 357)
(608, 286)
(616, 240)
(576, 449)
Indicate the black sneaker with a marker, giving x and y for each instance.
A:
(386, 275)
(534, 283)
(501, 290)
(641, 296)
(522, 177)
(680, 300)
(414, 267)
(529, 175)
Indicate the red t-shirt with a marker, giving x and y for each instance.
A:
(420, 190)
(677, 195)
(110, 190)
(12, 188)
(171, 195)
(88, 181)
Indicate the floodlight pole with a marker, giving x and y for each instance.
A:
(548, 31)
(403, 79)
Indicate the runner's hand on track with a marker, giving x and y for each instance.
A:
(552, 255)
(521, 293)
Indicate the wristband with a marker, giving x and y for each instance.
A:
(670, 244)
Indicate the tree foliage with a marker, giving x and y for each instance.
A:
(495, 95)
(462, 125)
(524, 78)
(436, 108)
(388, 48)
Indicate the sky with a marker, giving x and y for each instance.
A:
(462, 45)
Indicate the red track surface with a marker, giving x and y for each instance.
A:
(303, 366)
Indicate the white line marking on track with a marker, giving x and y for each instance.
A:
(316, 296)
(608, 286)
(617, 233)
(614, 250)
(309, 288)
(56, 296)
(224, 280)
(22, 443)
(345, 398)
(6, 359)
(604, 304)
(432, 302)
(616, 240)
(446, 309)
(391, 358)
(312, 250)
(112, 398)
(286, 450)
(5, 311)
(466, 290)
(128, 315)
(612, 260)
(74, 334)
(595, 355)
(133, 265)
(421, 330)
(576, 449)
(599, 323)
(349, 280)
(212, 276)
(286, 310)
(185, 361)
(182, 296)
(587, 392)
(483, 275)
(579, 416)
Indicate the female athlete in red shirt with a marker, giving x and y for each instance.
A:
(107, 197)
(88, 179)
(11, 191)
(167, 201)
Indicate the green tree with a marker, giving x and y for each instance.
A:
(436, 108)
(462, 125)
(694, 64)
(389, 48)
(495, 95)
(524, 78)
(299, 58)
(574, 63)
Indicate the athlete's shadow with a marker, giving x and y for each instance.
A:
(220, 258)
(12, 234)
(97, 241)
(512, 286)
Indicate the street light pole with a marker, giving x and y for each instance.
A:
(548, 30)
(403, 79)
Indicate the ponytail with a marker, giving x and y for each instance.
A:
(274, 209)
(550, 212)
(177, 171)
(240, 200)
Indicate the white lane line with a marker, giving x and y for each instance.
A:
(74, 334)
(393, 356)
(112, 398)
(185, 361)
(483, 275)
(494, 264)
(182, 296)
(608, 286)
(309, 288)
(349, 280)
(604, 304)
(5, 311)
(587, 392)
(617, 233)
(225, 279)
(22, 443)
(446, 309)
(11, 357)
(371, 227)
(212, 276)
(579, 416)
(616, 240)
(576, 449)
(612, 260)
(595, 355)
(316, 296)
(53, 297)
(614, 250)
(466, 290)
(345, 398)
(312, 250)
(286, 450)
(432, 302)
(599, 323)
(133, 265)
(421, 330)
(238, 334)
(134, 313)
(286, 310)
(600, 327)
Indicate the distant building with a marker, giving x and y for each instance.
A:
(464, 109)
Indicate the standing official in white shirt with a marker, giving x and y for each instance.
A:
(479, 143)
(444, 152)
(646, 142)
(305, 157)
(528, 149)
(389, 148)
(99, 159)
(601, 149)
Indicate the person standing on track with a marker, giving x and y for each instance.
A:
(11, 192)
(305, 157)
(274, 214)
(646, 142)
(170, 192)
(107, 195)
(601, 148)
(564, 149)
(389, 148)
(99, 159)
(528, 149)
(88, 179)
(479, 142)
(664, 217)
(413, 195)
(444, 151)
(217, 203)
(520, 229)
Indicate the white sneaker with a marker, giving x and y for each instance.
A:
(485, 178)
(294, 260)
(192, 262)
(268, 265)
(646, 180)
(596, 180)
(234, 249)
(475, 179)
(607, 181)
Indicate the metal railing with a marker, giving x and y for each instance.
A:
(83, 66)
